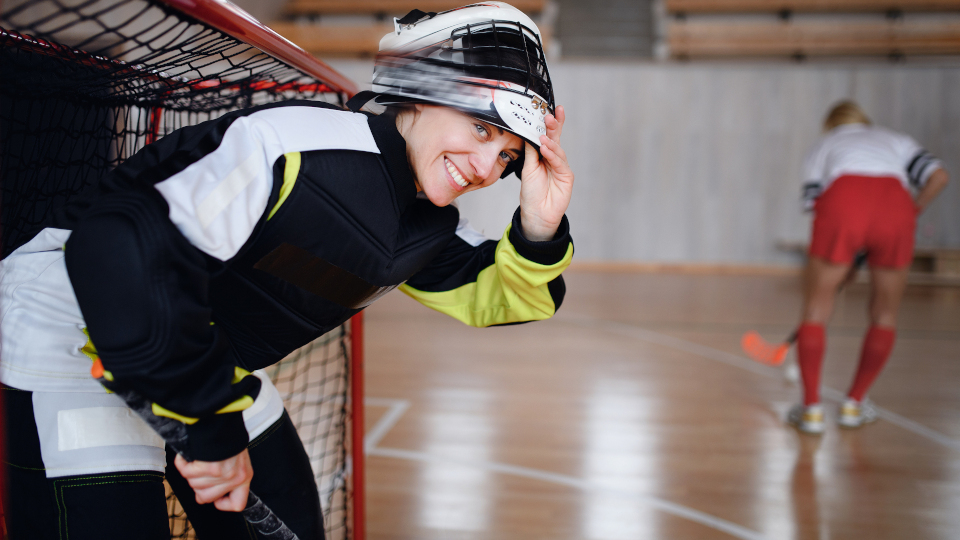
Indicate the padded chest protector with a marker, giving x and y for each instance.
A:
(340, 240)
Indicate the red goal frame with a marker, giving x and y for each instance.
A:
(236, 23)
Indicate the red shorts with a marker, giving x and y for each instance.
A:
(865, 213)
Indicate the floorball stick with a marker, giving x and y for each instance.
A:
(174, 433)
(761, 350)
(773, 354)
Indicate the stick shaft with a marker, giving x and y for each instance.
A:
(174, 434)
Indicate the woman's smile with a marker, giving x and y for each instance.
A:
(455, 174)
(451, 153)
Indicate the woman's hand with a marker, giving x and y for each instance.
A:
(935, 184)
(547, 183)
(224, 483)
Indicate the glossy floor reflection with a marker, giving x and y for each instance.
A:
(632, 415)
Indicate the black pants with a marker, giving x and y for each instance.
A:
(132, 505)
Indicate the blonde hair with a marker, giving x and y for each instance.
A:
(845, 112)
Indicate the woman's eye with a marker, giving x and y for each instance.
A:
(481, 130)
(506, 157)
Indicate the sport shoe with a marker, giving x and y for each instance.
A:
(791, 372)
(806, 418)
(854, 414)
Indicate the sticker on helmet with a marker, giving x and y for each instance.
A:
(522, 114)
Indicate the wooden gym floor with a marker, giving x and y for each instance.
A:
(633, 415)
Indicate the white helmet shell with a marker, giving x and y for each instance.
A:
(437, 29)
(440, 59)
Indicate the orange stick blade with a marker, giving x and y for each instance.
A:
(762, 351)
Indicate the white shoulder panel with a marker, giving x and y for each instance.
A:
(41, 327)
(300, 129)
(217, 201)
(468, 234)
(49, 239)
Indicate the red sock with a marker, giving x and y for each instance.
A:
(810, 344)
(877, 345)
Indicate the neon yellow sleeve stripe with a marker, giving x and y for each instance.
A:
(160, 411)
(88, 349)
(290, 172)
(91, 352)
(238, 374)
(240, 404)
(513, 289)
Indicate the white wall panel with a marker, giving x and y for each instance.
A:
(701, 162)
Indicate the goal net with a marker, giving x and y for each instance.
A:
(84, 84)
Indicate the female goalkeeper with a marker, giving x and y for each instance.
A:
(224, 246)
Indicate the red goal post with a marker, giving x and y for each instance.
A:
(84, 84)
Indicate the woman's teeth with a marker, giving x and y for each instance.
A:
(455, 173)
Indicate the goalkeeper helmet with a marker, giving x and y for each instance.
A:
(485, 60)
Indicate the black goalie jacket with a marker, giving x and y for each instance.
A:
(224, 246)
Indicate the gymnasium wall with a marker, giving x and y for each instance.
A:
(700, 162)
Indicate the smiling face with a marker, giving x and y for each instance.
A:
(452, 153)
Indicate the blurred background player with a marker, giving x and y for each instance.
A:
(859, 180)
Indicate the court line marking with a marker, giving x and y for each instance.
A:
(629, 330)
(396, 409)
(399, 406)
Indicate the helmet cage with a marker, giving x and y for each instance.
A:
(472, 51)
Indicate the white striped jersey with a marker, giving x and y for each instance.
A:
(864, 150)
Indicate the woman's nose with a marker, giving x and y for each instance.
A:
(484, 162)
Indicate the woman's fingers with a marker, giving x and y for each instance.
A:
(189, 469)
(555, 147)
(554, 123)
(199, 469)
(551, 141)
(212, 494)
(235, 501)
(531, 160)
(553, 127)
(224, 483)
(554, 154)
